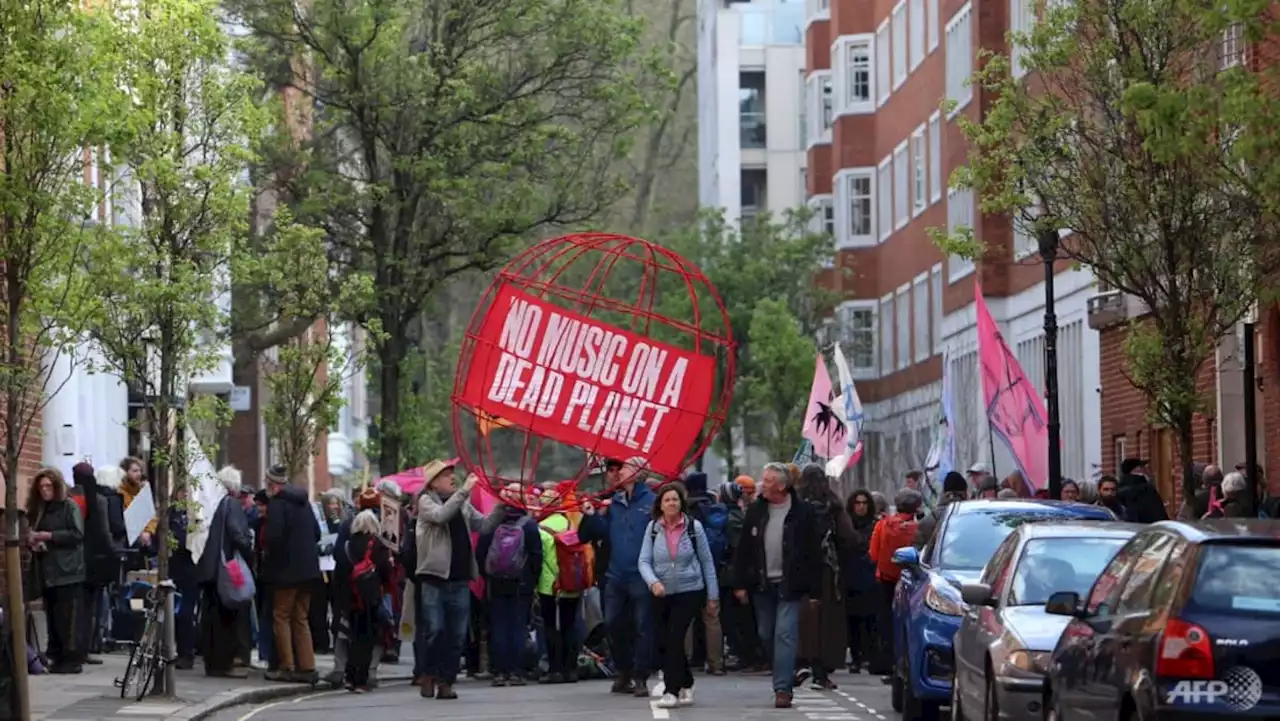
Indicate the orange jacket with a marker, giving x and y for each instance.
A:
(890, 534)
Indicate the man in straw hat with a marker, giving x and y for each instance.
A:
(446, 567)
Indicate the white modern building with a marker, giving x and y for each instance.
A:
(751, 150)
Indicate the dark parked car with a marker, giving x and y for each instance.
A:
(1184, 623)
(1005, 637)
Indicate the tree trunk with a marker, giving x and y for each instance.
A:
(16, 608)
(1186, 459)
(162, 435)
(391, 354)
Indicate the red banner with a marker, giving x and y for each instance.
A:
(581, 382)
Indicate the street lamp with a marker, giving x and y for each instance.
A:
(1048, 240)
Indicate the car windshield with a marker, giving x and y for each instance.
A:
(972, 537)
(1240, 579)
(1049, 565)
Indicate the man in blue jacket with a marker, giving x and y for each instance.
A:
(627, 598)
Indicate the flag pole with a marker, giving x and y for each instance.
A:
(991, 445)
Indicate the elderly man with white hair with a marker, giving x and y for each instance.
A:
(221, 626)
(1236, 503)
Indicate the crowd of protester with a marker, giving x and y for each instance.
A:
(776, 575)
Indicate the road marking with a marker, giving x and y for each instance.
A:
(659, 713)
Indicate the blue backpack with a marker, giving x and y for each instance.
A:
(715, 521)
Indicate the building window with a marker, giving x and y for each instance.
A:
(858, 337)
(804, 110)
(884, 198)
(901, 187)
(859, 67)
(1120, 446)
(1025, 243)
(935, 298)
(920, 316)
(886, 335)
(904, 326)
(935, 157)
(820, 111)
(851, 57)
(855, 207)
(932, 9)
(1022, 18)
(915, 20)
(751, 109)
(755, 193)
(882, 63)
(1232, 53)
(959, 215)
(960, 58)
(823, 219)
(900, 44)
(919, 199)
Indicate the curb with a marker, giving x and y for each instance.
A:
(245, 695)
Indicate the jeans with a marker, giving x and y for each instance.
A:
(508, 629)
(266, 629)
(779, 623)
(627, 606)
(445, 608)
(673, 615)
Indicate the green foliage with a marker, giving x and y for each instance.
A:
(55, 94)
(1162, 166)
(426, 408)
(447, 133)
(780, 372)
(768, 259)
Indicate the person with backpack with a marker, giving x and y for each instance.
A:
(705, 643)
(367, 564)
(567, 572)
(510, 559)
(676, 562)
(891, 533)
(822, 625)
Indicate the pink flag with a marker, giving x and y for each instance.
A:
(822, 425)
(1015, 411)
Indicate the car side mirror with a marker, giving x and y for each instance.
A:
(977, 594)
(1064, 603)
(907, 557)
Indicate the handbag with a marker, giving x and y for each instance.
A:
(236, 588)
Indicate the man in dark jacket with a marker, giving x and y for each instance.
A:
(705, 640)
(627, 598)
(779, 563)
(954, 488)
(102, 558)
(291, 564)
(1141, 500)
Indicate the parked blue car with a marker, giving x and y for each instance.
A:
(927, 607)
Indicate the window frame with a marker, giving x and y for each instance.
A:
(937, 310)
(815, 83)
(961, 77)
(860, 372)
(919, 171)
(901, 186)
(931, 9)
(899, 48)
(885, 315)
(902, 322)
(935, 157)
(843, 202)
(884, 213)
(921, 317)
(958, 268)
(841, 56)
(883, 64)
(915, 35)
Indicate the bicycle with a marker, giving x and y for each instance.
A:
(147, 660)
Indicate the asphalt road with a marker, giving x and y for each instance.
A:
(859, 698)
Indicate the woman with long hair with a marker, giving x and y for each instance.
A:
(676, 562)
(861, 591)
(222, 625)
(822, 628)
(56, 539)
(367, 565)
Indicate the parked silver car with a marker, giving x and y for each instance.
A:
(1005, 637)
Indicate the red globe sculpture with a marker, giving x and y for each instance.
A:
(585, 349)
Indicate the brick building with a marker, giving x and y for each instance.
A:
(880, 154)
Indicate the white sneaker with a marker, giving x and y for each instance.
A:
(668, 701)
(686, 697)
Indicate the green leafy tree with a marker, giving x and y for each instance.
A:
(779, 373)
(447, 133)
(769, 258)
(55, 88)
(1162, 166)
(180, 145)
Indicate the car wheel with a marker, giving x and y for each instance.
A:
(992, 710)
(957, 707)
(913, 708)
(895, 689)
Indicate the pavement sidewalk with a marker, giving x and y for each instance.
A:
(93, 695)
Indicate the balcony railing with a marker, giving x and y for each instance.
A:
(1107, 309)
(772, 24)
(752, 129)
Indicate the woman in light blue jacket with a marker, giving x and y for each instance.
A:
(675, 560)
